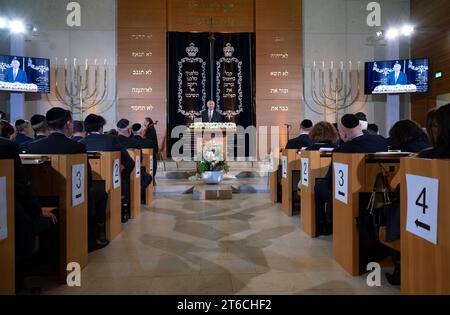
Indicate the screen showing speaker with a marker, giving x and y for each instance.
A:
(24, 74)
(397, 76)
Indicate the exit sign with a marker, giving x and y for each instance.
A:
(438, 75)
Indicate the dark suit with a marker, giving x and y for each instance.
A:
(77, 138)
(402, 79)
(55, 143)
(21, 139)
(216, 117)
(324, 190)
(302, 141)
(21, 76)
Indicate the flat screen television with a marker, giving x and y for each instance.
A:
(396, 76)
(24, 74)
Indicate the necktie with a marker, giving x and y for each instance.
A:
(396, 77)
(210, 116)
(15, 74)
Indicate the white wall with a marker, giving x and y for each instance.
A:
(337, 30)
(96, 38)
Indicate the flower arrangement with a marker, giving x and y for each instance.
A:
(213, 158)
(201, 125)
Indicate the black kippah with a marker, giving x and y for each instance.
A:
(20, 123)
(136, 127)
(350, 121)
(306, 123)
(123, 123)
(37, 121)
(361, 116)
(92, 119)
(56, 114)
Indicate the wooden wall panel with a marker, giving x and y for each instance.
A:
(141, 13)
(431, 39)
(278, 15)
(141, 45)
(226, 16)
(279, 47)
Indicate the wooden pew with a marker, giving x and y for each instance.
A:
(147, 162)
(51, 176)
(135, 184)
(425, 267)
(362, 171)
(104, 165)
(290, 161)
(315, 165)
(7, 249)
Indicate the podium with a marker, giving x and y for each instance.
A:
(200, 136)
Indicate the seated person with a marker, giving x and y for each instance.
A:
(211, 115)
(323, 135)
(78, 130)
(131, 143)
(7, 130)
(96, 141)
(303, 140)
(58, 142)
(440, 135)
(15, 74)
(373, 129)
(407, 136)
(355, 141)
(397, 77)
(40, 127)
(23, 131)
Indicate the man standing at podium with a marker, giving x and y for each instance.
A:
(15, 74)
(211, 115)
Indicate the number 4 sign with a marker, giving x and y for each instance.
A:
(422, 214)
(341, 182)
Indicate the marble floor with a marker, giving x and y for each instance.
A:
(241, 246)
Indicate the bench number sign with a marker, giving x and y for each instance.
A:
(3, 218)
(422, 214)
(305, 172)
(151, 164)
(341, 182)
(77, 184)
(284, 162)
(138, 166)
(116, 174)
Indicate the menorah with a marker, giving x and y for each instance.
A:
(341, 92)
(79, 93)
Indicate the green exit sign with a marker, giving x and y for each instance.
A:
(438, 75)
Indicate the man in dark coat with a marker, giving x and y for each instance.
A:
(23, 132)
(355, 141)
(96, 141)
(211, 115)
(303, 140)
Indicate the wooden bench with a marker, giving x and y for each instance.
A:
(362, 171)
(315, 165)
(135, 184)
(53, 176)
(290, 162)
(425, 266)
(7, 245)
(106, 167)
(147, 162)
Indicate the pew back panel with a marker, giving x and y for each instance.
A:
(7, 246)
(287, 183)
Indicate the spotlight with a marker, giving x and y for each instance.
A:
(407, 30)
(380, 34)
(3, 23)
(17, 26)
(392, 33)
(35, 29)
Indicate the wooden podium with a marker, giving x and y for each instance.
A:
(201, 136)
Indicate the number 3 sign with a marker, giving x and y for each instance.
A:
(341, 182)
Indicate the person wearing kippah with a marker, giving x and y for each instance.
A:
(97, 141)
(355, 141)
(125, 133)
(40, 127)
(23, 132)
(78, 130)
(303, 140)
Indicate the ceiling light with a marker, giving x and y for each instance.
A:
(407, 30)
(17, 26)
(392, 33)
